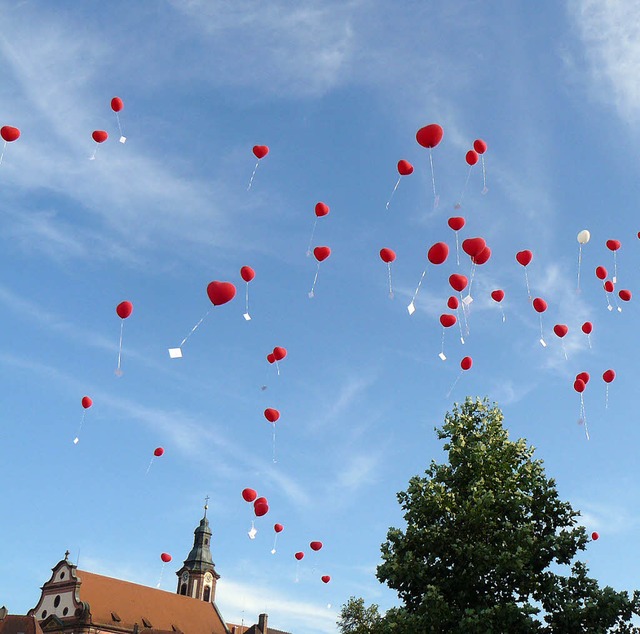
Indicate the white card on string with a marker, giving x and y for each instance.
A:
(543, 343)
(311, 295)
(441, 355)
(411, 308)
(123, 139)
(247, 316)
(467, 300)
(175, 353)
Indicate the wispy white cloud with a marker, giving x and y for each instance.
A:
(609, 517)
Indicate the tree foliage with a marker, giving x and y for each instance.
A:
(485, 542)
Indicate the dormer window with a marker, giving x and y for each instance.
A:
(146, 623)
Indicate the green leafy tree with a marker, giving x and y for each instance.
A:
(355, 618)
(486, 539)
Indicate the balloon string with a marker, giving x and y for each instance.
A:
(311, 238)
(390, 288)
(246, 299)
(526, 278)
(436, 198)
(606, 399)
(297, 572)
(93, 156)
(394, 191)
(454, 384)
(579, 265)
(484, 178)
(315, 279)
(274, 443)
(161, 571)
(464, 189)
(194, 328)
(441, 355)
(278, 367)
(150, 463)
(4, 147)
(564, 350)
(120, 347)
(471, 276)
(77, 438)
(609, 306)
(119, 126)
(460, 324)
(615, 267)
(413, 299)
(504, 317)
(253, 175)
(542, 341)
(583, 415)
(589, 339)
(457, 249)
(275, 540)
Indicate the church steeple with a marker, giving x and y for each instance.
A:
(198, 577)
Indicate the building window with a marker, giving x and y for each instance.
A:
(207, 593)
(44, 614)
(62, 575)
(65, 612)
(183, 589)
(56, 601)
(206, 541)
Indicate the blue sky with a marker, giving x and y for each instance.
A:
(337, 90)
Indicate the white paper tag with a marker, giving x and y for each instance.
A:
(467, 300)
(311, 295)
(441, 355)
(75, 441)
(175, 353)
(247, 316)
(543, 343)
(615, 279)
(411, 308)
(123, 139)
(610, 307)
(462, 340)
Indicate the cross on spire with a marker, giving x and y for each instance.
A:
(66, 555)
(206, 505)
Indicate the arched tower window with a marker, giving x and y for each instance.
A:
(183, 589)
(207, 593)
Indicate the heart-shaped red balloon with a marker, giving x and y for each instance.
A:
(9, 133)
(247, 273)
(458, 282)
(87, 402)
(473, 246)
(561, 330)
(453, 303)
(579, 385)
(466, 363)
(524, 257)
(471, 157)
(158, 451)
(587, 327)
(261, 509)
(299, 556)
(497, 295)
(278, 528)
(430, 135)
(321, 253)
(272, 415)
(124, 309)
(271, 358)
(117, 104)
(99, 136)
(447, 320)
(625, 295)
(601, 272)
(279, 353)
(609, 376)
(609, 286)
(539, 305)
(480, 146)
(325, 578)
(584, 376)
(482, 257)
(405, 168)
(260, 151)
(613, 245)
(456, 222)
(220, 292)
(322, 209)
(438, 253)
(387, 255)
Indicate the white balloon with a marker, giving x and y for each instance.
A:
(584, 236)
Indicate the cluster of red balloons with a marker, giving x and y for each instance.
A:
(260, 504)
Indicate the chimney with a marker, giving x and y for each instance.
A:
(262, 623)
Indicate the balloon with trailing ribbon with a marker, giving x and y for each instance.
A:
(608, 376)
(456, 223)
(247, 274)
(579, 386)
(165, 558)
(9, 134)
(524, 259)
(458, 283)
(157, 452)
(404, 169)
(272, 415)
(466, 363)
(446, 321)
(587, 329)
(561, 330)
(437, 254)
(540, 306)
(86, 403)
(321, 210)
(259, 151)
(429, 137)
(277, 529)
(320, 254)
(117, 106)
(497, 296)
(479, 253)
(480, 147)
(123, 310)
(583, 237)
(614, 245)
(388, 256)
(99, 136)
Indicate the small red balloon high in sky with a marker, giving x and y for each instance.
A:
(123, 310)
(9, 134)
(117, 105)
(321, 210)
(429, 137)
(99, 136)
(480, 147)
(320, 254)
(404, 169)
(259, 151)
(437, 254)
(86, 403)
(219, 293)
(388, 256)
(247, 274)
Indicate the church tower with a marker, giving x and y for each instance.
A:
(197, 578)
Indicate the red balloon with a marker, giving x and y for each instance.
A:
(299, 556)
(438, 253)
(471, 157)
(480, 146)
(473, 246)
(247, 273)
(587, 327)
(99, 136)
(609, 286)
(497, 295)
(325, 578)
(166, 557)
(583, 376)
(220, 292)
(579, 385)
(261, 509)
(456, 222)
(524, 257)
(405, 168)
(117, 104)
(321, 209)
(9, 133)
(561, 330)
(458, 282)
(158, 451)
(601, 272)
(124, 309)
(260, 151)
(261, 500)
(595, 536)
(278, 528)
(447, 320)
(321, 253)
(271, 357)
(613, 245)
(539, 305)
(466, 363)
(430, 135)
(482, 257)
(625, 295)
(453, 303)
(249, 495)
(315, 546)
(608, 376)
(87, 402)
(387, 255)
(272, 415)
(279, 353)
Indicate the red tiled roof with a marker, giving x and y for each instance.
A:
(15, 624)
(161, 610)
